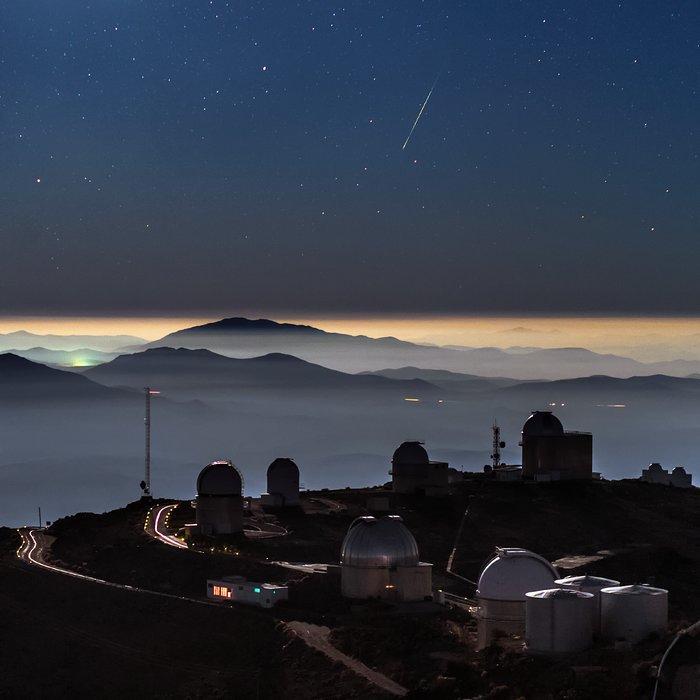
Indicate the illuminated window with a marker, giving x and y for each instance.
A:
(217, 590)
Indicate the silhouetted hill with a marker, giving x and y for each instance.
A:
(82, 357)
(604, 388)
(450, 381)
(22, 379)
(202, 372)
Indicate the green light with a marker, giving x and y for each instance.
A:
(257, 590)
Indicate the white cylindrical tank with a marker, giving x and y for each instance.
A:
(503, 583)
(633, 613)
(559, 621)
(588, 584)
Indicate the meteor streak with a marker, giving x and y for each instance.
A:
(420, 113)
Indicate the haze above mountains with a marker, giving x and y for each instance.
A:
(252, 391)
(241, 338)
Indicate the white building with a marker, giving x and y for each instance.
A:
(379, 559)
(656, 474)
(236, 589)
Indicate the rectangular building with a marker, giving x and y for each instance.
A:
(237, 589)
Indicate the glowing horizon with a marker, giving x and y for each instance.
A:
(594, 332)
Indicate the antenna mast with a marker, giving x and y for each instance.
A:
(498, 444)
(146, 483)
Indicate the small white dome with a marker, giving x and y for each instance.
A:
(513, 572)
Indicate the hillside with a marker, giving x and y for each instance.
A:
(24, 380)
(607, 522)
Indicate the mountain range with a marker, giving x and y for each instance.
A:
(241, 337)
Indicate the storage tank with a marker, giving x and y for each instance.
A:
(559, 621)
(589, 584)
(503, 583)
(633, 613)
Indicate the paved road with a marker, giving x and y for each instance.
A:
(158, 518)
(36, 544)
(157, 522)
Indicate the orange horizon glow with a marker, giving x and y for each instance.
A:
(473, 331)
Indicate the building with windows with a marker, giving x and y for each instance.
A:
(237, 589)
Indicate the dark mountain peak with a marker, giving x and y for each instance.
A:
(238, 324)
(11, 362)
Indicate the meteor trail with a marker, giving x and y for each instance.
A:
(425, 102)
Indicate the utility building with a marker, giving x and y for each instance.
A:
(219, 499)
(379, 559)
(282, 484)
(552, 454)
(413, 472)
(237, 589)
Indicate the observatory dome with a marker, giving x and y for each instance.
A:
(379, 543)
(219, 478)
(514, 572)
(411, 452)
(282, 466)
(543, 423)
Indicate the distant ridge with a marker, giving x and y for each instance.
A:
(23, 340)
(204, 371)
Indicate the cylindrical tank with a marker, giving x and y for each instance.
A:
(589, 584)
(559, 621)
(633, 613)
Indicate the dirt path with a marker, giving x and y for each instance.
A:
(318, 638)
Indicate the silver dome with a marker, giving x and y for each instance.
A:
(379, 543)
(220, 478)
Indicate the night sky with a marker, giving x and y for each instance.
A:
(191, 156)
